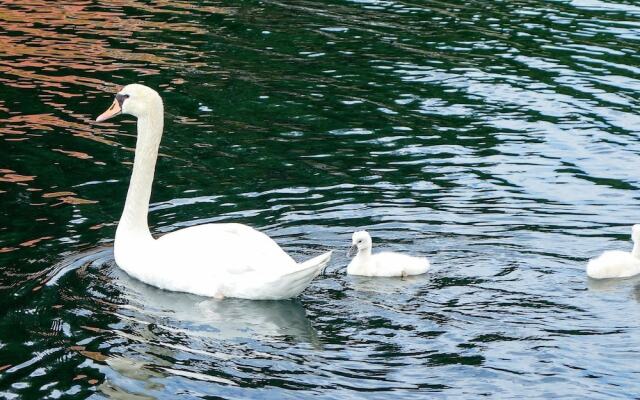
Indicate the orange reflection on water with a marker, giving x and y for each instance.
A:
(35, 124)
(84, 36)
(75, 154)
(33, 242)
(61, 50)
(15, 178)
(74, 201)
(57, 194)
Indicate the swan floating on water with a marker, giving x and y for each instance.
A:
(381, 264)
(214, 260)
(616, 263)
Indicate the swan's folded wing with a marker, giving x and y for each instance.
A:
(228, 248)
(268, 285)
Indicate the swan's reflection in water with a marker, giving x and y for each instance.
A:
(128, 378)
(159, 336)
(614, 285)
(228, 319)
(391, 285)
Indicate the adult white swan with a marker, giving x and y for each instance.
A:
(216, 260)
(616, 263)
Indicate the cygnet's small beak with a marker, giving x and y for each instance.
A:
(114, 110)
(352, 251)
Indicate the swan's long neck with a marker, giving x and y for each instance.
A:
(636, 249)
(364, 255)
(133, 223)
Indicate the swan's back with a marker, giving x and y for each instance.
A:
(387, 264)
(235, 247)
(613, 264)
(400, 264)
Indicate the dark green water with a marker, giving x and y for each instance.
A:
(499, 138)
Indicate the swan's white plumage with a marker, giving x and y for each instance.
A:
(216, 260)
(617, 264)
(384, 264)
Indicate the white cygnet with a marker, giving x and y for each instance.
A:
(381, 264)
(617, 264)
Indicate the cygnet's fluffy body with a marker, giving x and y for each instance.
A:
(617, 264)
(381, 264)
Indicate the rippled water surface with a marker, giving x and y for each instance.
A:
(499, 138)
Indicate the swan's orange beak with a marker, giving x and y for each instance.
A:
(114, 110)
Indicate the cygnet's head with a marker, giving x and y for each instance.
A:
(361, 240)
(135, 99)
(635, 233)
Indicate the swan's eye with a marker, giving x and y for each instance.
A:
(121, 98)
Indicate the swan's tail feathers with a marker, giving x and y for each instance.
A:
(319, 263)
(293, 283)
